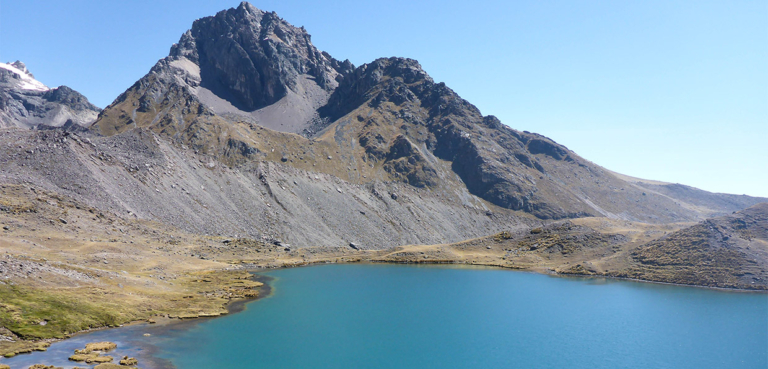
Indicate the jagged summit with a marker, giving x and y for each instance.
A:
(253, 58)
(16, 74)
(242, 64)
(26, 102)
(361, 83)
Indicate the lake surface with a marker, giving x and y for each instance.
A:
(398, 316)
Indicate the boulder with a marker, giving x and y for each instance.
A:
(128, 361)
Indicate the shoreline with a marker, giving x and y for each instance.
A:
(237, 305)
(513, 268)
(234, 306)
(572, 275)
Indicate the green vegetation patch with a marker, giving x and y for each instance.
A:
(38, 314)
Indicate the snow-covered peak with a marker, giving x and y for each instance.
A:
(26, 80)
(22, 67)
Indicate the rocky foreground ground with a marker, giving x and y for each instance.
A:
(94, 353)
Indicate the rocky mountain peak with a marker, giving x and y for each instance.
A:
(253, 58)
(17, 75)
(408, 70)
(27, 103)
(22, 67)
(237, 81)
(242, 64)
(384, 78)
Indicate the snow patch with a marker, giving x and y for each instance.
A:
(25, 81)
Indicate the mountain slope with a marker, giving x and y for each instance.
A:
(27, 103)
(727, 251)
(702, 201)
(139, 175)
(410, 125)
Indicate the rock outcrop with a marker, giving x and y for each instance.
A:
(424, 134)
(27, 103)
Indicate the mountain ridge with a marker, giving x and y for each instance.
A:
(26, 102)
(386, 120)
(418, 163)
(385, 123)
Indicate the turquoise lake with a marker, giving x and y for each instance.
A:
(399, 316)
(392, 316)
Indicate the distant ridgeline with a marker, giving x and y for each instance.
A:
(27, 103)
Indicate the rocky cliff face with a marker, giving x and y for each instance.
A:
(239, 85)
(27, 103)
(423, 133)
(253, 58)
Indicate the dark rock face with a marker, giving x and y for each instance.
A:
(480, 148)
(68, 97)
(252, 58)
(549, 148)
(405, 162)
(384, 79)
(27, 103)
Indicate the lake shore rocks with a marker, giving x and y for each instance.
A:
(99, 346)
(92, 353)
(128, 361)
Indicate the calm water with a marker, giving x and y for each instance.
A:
(392, 316)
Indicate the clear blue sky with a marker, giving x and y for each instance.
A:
(668, 90)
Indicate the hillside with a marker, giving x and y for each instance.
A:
(138, 175)
(727, 251)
